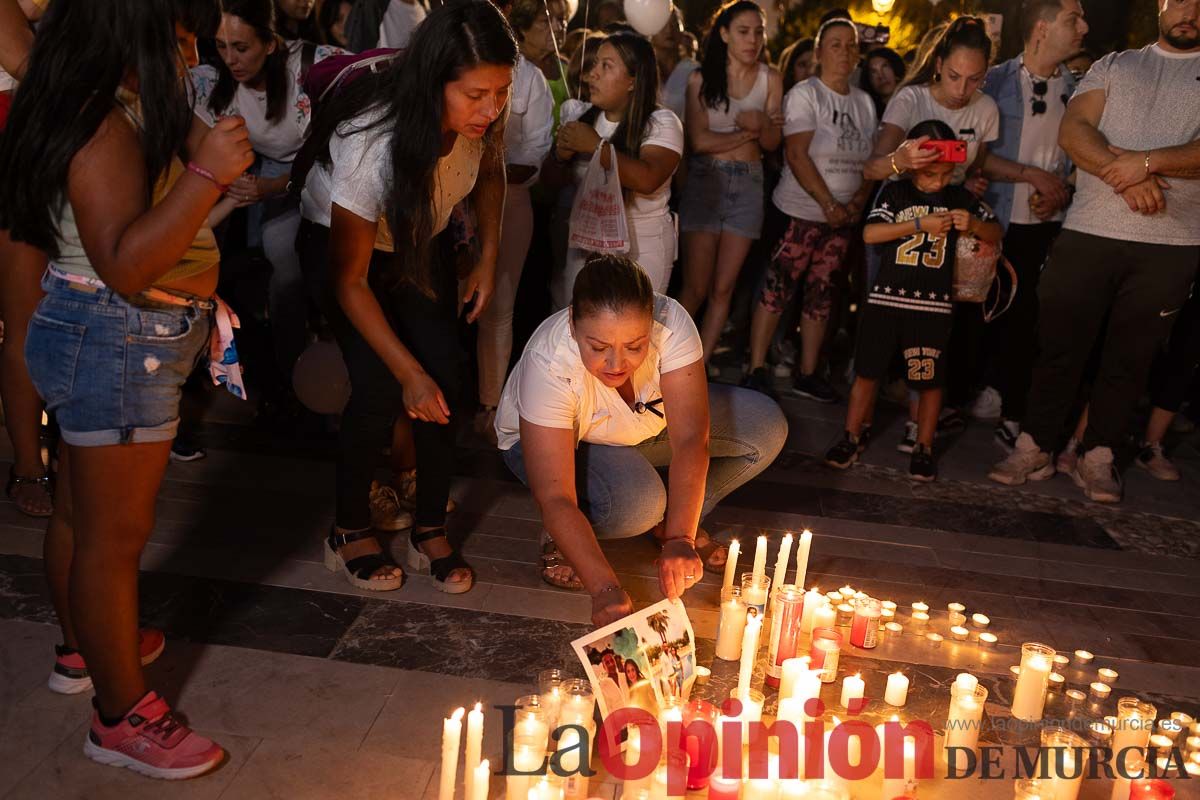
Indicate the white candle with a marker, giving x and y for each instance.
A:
(966, 711)
(1101, 691)
(959, 633)
(802, 558)
(451, 734)
(1057, 682)
(781, 564)
(922, 608)
(807, 687)
(987, 640)
(760, 558)
(894, 628)
(793, 668)
(526, 758)
(980, 620)
(633, 754)
(474, 747)
(1029, 698)
(955, 608)
(935, 639)
(749, 651)
(1060, 662)
(847, 593)
(1106, 675)
(906, 785)
(853, 688)
(888, 605)
(824, 617)
(920, 619)
(896, 693)
(966, 682)
(731, 566)
(1066, 788)
(812, 601)
(480, 780)
(730, 629)
(1083, 657)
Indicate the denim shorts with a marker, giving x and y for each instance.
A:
(723, 196)
(112, 372)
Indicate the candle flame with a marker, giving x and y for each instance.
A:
(806, 532)
(479, 707)
(458, 714)
(484, 766)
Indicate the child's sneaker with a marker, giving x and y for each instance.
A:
(70, 674)
(909, 441)
(1153, 460)
(152, 741)
(920, 466)
(843, 454)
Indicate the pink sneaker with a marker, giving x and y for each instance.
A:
(70, 675)
(151, 741)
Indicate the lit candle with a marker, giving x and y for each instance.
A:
(781, 563)
(722, 788)
(749, 650)
(959, 633)
(956, 619)
(1065, 751)
(920, 608)
(987, 639)
(853, 688)
(920, 619)
(896, 693)
(955, 608)
(1029, 698)
(888, 605)
(526, 758)
(845, 612)
(1083, 657)
(756, 592)
(967, 699)
(1102, 730)
(894, 628)
(474, 747)
(731, 566)
(480, 780)
(807, 687)
(886, 615)
(934, 639)
(826, 653)
(1057, 682)
(906, 785)
(847, 593)
(702, 675)
(980, 620)
(760, 558)
(812, 600)
(824, 617)
(1101, 691)
(865, 630)
(793, 668)
(785, 631)
(1061, 662)
(732, 626)
(1107, 675)
(802, 551)
(1075, 697)
(451, 734)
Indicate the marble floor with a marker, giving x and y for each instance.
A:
(319, 690)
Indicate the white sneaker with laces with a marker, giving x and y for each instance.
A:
(909, 441)
(1153, 460)
(1027, 462)
(988, 405)
(1096, 474)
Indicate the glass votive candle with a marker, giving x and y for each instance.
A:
(1106, 675)
(1100, 691)
(957, 619)
(987, 639)
(578, 703)
(845, 614)
(959, 633)
(1084, 657)
(1060, 662)
(549, 683)
(1182, 721)
(1015, 669)
(825, 653)
(886, 615)
(1075, 697)
(1067, 754)
(702, 675)
(1057, 682)
(1029, 698)
(865, 630)
(1032, 789)
(752, 706)
(756, 592)
(980, 620)
(1135, 723)
(1101, 731)
(530, 728)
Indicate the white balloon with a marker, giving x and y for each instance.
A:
(321, 380)
(647, 16)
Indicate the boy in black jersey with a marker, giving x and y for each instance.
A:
(916, 221)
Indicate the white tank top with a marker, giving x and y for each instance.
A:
(724, 121)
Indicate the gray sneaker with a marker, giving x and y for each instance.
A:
(1097, 476)
(1153, 460)
(1027, 462)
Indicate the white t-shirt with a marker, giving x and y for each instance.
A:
(673, 92)
(844, 134)
(663, 130)
(550, 386)
(528, 131)
(975, 123)
(399, 22)
(1039, 142)
(277, 140)
(360, 174)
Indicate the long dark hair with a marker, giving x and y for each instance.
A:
(82, 53)
(259, 15)
(966, 31)
(714, 66)
(637, 54)
(894, 61)
(308, 29)
(409, 96)
(787, 60)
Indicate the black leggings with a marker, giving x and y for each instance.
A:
(428, 327)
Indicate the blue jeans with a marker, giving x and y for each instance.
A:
(112, 372)
(620, 490)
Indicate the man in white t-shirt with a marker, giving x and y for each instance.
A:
(1128, 251)
(1028, 191)
(399, 21)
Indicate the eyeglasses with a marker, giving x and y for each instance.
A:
(1039, 96)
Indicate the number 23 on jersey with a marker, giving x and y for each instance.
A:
(910, 254)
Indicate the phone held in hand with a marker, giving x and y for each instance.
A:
(951, 151)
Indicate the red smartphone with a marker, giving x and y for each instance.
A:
(952, 151)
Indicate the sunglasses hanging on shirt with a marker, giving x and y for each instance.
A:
(1040, 87)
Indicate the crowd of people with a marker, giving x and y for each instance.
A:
(395, 178)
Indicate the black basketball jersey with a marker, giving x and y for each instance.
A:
(917, 271)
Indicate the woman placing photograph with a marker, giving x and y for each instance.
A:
(607, 391)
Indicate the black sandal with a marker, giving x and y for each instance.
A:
(15, 481)
(360, 571)
(439, 569)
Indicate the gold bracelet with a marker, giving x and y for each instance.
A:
(895, 169)
(1147, 165)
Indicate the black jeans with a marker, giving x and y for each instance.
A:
(1141, 287)
(428, 327)
(1175, 368)
(1012, 337)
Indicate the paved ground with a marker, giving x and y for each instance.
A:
(318, 690)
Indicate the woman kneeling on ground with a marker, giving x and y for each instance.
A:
(608, 390)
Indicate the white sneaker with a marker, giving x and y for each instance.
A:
(1026, 462)
(1068, 458)
(988, 405)
(1097, 476)
(387, 514)
(1153, 460)
(1006, 434)
(910, 437)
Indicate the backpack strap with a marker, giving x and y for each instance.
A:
(308, 55)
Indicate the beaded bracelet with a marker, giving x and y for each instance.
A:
(196, 169)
